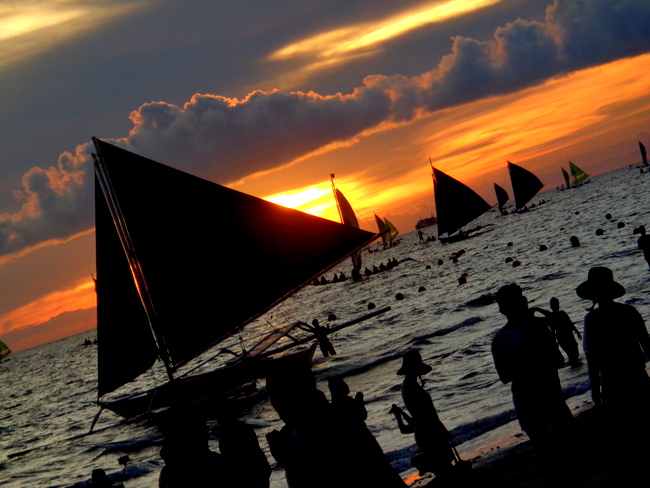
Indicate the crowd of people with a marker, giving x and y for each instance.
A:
(325, 442)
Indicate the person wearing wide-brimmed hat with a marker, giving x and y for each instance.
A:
(526, 355)
(431, 436)
(615, 339)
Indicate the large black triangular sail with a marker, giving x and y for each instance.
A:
(125, 345)
(502, 196)
(213, 258)
(456, 203)
(525, 184)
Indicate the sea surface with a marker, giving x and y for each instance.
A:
(48, 392)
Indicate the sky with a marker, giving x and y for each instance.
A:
(270, 98)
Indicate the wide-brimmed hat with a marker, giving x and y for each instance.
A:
(412, 364)
(600, 284)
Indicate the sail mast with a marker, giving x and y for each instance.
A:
(134, 264)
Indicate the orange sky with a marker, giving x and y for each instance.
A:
(539, 128)
(387, 171)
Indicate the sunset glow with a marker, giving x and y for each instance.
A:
(339, 42)
(28, 28)
(473, 141)
(80, 296)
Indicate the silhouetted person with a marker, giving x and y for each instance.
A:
(615, 339)
(563, 328)
(643, 244)
(525, 354)
(420, 236)
(375, 270)
(431, 436)
(342, 402)
(188, 460)
(238, 441)
(367, 272)
(319, 447)
(100, 480)
(326, 347)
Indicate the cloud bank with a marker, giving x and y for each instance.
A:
(228, 139)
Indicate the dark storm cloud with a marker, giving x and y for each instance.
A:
(228, 139)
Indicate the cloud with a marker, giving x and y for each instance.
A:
(227, 139)
(56, 204)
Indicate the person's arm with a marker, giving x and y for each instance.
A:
(545, 313)
(400, 416)
(575, 329)
(502, 370)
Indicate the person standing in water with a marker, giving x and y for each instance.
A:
(431, 436)
(643, 243)
(526, 355)
(615, 340)
(563, 328)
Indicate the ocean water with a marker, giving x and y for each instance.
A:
(46, 406)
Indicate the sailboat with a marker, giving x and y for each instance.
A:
(578, 175)
(456, 205)
(393, 231)
(348, 217)
(525, 185)
(170, 288)
(643, 154)
(4, 350)
(502, 196)
(382, 230)
(567, 178)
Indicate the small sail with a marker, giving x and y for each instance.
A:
(393, 230)
(382, 230)
(4, 350)
(348, 217)
(525, 184)
(502, 196)
(456, 203)
(643, 154)
(567, 179)
(347, 214)
(578, 175)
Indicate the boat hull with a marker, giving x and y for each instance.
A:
(236, 383)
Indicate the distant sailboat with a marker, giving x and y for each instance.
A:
(502, 196)
(525, 185)
(567, 179)
(4, 350)
(643, 154)
(387, 231)
(578, 175)
(393, 231)
(348, 217)
(382, 230)
(456, 205)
